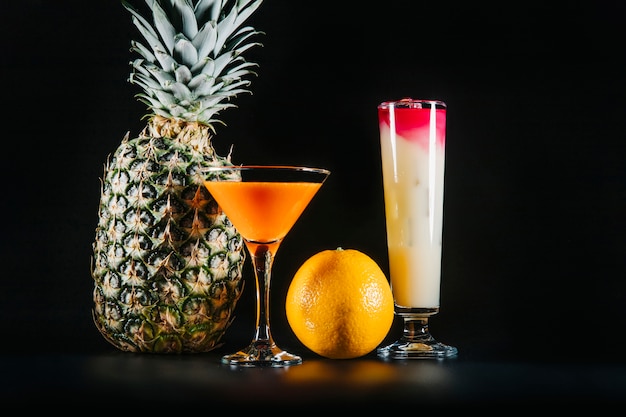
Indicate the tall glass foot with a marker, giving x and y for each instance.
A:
(416, 341)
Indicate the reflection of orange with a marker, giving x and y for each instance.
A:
(371, 372)
(349, 372)
(313, 371)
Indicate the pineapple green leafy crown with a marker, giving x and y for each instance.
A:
(192, 62)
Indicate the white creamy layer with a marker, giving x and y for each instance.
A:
(413, 176)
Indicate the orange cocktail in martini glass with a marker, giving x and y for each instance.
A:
(263, 203)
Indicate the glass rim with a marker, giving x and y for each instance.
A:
(408, 102)
(244, 167)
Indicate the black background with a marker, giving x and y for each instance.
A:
(534, 237)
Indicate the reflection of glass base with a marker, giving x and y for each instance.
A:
(262, 354)
(416, 341)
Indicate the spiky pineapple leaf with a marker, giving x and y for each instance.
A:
(193, 56)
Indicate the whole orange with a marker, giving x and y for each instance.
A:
(339, 304)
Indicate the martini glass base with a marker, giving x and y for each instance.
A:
(262, 355)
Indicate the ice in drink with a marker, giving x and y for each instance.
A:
(412, 135)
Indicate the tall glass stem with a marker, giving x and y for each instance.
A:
(262, 351)
(416, 330)
(416, 341)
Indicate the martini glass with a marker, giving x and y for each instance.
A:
(263, 203)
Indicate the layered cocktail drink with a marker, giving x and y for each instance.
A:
(412, 141)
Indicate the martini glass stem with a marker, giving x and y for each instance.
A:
(262, 260)
(262, 350)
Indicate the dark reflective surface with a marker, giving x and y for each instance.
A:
(150, 382)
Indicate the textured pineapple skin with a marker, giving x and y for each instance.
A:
(167, 264)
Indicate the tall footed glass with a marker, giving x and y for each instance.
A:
(263, 203)
(412, 141)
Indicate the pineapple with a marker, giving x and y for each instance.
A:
(167, 263)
